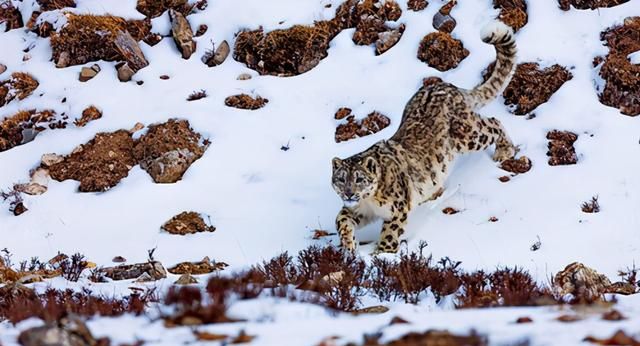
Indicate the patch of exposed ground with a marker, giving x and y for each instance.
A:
(517, 166)
(352, 128)
(99, 164)
(19, 86)
(589, 4)
(187, 223)
(531, 86)
(10, 15)
(417, 5)
(205, 266)
(90, 114)
(561, 150)
(86, 38)
(24, 126)
(167, 150)
(622, 88)
(296, 50)
(244, 101)
(512, 12)
(441, 51)
(50, 5)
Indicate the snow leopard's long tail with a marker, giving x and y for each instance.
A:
(501, 36)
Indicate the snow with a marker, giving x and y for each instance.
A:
(264, 200)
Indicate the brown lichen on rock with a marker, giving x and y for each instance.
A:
(622, 88)
(441, 51)
(342, 113)
(19, 86)
(187, 223)
(373, 123)
(512, 12)
(417, 5)
(561, 150)
(50, 5)
(531, 86)
(244, 101)
(24, 126)
(90, 113)
(86, 38)
(155, 8)
(99, 164)
(167, 150)
(589, 4)
(584, 283)
(10, 15)
(518, 166)
(205, 266)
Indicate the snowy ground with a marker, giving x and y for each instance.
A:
(264, 200)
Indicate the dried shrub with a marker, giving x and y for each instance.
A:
(192, 309)
(19, 86)
(565, 5)
(244, 101)
(187, 223)
(50, 5)
(10, 15)
(428, 338)
(531, 86)
(417, 5)
(100, 163)
(18, 303)
(90, 113)
(373, 123)
(86, 38)
(372, 16)
(622, 88)
(197, 95)
(512, 12)
(561, 150)
(592, 206)
(24, 126)
(441, 51)
(72, 267)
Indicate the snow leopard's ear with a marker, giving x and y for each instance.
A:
(336, 163)
(370, 164)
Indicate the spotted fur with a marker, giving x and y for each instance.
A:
(439, 122)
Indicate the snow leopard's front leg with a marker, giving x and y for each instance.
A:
(346, 224)
(393, 228)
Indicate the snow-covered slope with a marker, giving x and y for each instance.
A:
(264, 200)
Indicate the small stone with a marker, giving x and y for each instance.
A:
(19, 209)
(493, 219)
(33, 189)
(524, 320)
(137, 127)
(388, 39)
(202, 29)
(343, 113)
(444, 22)
(26, 57)
(376, 310)
(244, 76)
(3, 68)
(63, 60)
(164, 77)
(504, 179)
(124, 72)
(50, 159)
(450, 211)
(87, 73)
(119, 259)
(186, 279)
(41, 176)
(171, 166)
(222, 53)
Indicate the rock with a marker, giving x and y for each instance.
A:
(3, 68)
(128, 47)
(153, 270)
(444, 22)
(244, 76)
(71, 331)
(388, 39)
(137, 127)
(582, 282)
(205, 266)
(119, 259)
(63, 60)
(186, 279)
(187, 223)
(124, 72)
(50, 159)
(182, 34)
(222, 53)
(171, 166)
(33, 189)
(376, 310)
(87, 73)
(90, 113)
(19, 209)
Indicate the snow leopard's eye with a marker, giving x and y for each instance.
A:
(359, 180)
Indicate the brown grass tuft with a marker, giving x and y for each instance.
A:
(244, 101)
(197, 95)
(441, 51)
(19, 86)
(565, 5)
(10, 15)
(50, 5)
(512, 12)
(23, 126)
(592, 206)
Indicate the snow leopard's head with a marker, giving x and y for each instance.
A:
(355, 179)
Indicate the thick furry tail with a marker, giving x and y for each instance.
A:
(502, 37)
